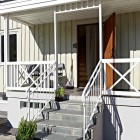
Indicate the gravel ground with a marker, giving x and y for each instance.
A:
(5, 132)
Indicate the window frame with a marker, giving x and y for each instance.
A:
(17, 32)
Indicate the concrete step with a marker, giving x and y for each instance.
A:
(61, 127)
(66, 115)
(47, 136)
(69, 105)
(64, 121)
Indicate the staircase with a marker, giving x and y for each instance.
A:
(63, 121)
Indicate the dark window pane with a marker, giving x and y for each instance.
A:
(2, 48)
(12, 47)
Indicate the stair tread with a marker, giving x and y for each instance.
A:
(71, 102)
(59, 123)
(67, 112)
(46, 136)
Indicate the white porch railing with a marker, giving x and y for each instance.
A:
(123, 68)
(95, 88)
(2, 75)
(22, 75)
(40, 92)
(91, 97)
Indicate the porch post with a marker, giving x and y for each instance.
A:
(6, 46)
(55, 50)
(100, 46)
(100, 33)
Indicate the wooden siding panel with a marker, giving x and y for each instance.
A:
(68, 50)
(10, 24)
(41, 42)
(59, 43)
(32, 44)
(2, 23)
(23, 33)
(51, 42)
(132, 42)
(36, 43)
(63, 44)
(124, 37)
(47, 41)
(128, 44)
(137, 49)
(74, 53)
(27, 46)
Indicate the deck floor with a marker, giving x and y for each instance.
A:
(74, 92)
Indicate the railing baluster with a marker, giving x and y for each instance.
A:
(11, 76)
(17, 75)
(104, 78)
(14, 78)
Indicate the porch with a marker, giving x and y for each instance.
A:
(31, 82)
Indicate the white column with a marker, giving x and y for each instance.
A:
(6, 45)
(100, 33)
(100, 46)
(55, 49)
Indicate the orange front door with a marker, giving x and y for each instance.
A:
(109, 46)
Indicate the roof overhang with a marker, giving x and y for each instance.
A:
(32, 12)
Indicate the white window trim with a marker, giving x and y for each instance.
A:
(18, 33)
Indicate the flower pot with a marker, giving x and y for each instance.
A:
(59, 99)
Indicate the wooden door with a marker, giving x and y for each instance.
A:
(109, 46)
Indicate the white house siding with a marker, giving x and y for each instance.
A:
(13, 26)
(42, 47)
(37, 43)
(128, 44)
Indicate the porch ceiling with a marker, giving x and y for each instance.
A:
(45, 15)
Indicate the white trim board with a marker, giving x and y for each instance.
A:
(23, 5)
(122, 93)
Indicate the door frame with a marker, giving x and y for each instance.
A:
(96, 23)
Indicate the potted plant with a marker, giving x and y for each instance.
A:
(26, 130)
(59, 94)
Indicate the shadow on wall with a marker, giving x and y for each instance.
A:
(112, 128)
(43, 48)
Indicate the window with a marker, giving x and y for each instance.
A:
(12, 47)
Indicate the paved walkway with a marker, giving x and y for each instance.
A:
(7, 137)
(6, 133)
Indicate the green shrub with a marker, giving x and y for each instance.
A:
(26, 129)
(60, 92)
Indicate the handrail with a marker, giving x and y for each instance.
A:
(48, 71)
(89, 81)
(22, 74)
(90, 92)
(40, 77)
